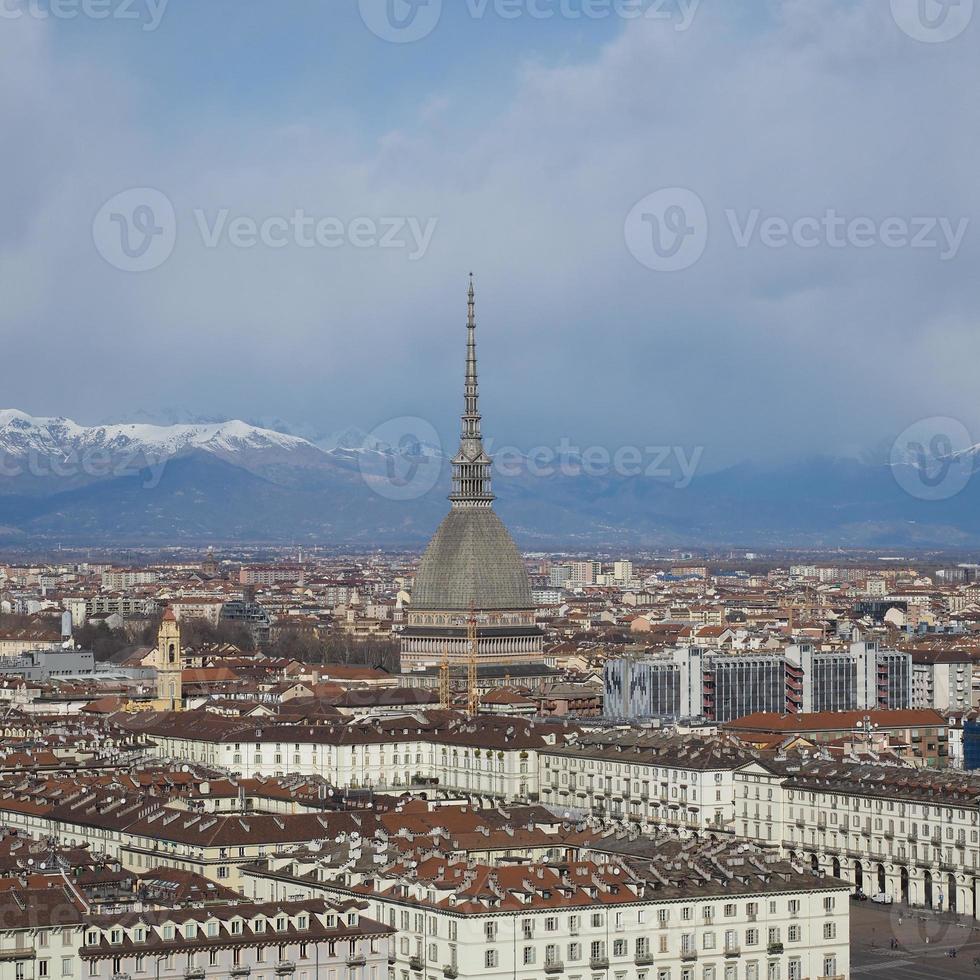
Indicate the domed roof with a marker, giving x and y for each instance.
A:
(471, 561)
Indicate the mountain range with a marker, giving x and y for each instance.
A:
(193, 482)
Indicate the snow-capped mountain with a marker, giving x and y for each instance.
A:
(200, 481)
(34, 448)
(21, 433)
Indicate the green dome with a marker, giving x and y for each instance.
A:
(471, 562)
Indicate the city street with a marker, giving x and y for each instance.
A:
(924, 941)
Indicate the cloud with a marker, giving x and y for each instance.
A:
(816, 107)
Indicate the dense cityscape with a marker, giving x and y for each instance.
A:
(478, 762)
(489, 490)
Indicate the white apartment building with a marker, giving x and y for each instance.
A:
(493, 757)
(593, 918)
(679, 783)
(912, 834)
(313, 940)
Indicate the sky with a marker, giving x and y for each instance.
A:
(740, 225)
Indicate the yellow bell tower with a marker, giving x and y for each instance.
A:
(170, 663)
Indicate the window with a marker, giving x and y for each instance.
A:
(829, 931)
(794, 934)
(491, 958)
(528, 955)
(68, 965)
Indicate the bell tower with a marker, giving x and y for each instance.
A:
(170, 664)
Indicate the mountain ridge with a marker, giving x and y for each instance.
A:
(233, 481)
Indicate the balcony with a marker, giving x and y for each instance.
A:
(194, 973)
(599, 963)
(240, 971)
(643, 959)
(452, 971)
(689, 955)
(356, 959)
(553, 967)
(285, 967)
(775, 949)
(733, 951)
(415, 963)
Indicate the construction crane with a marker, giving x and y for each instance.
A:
(472, 696)
(445, 695)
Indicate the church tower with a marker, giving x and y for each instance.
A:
(169, 664)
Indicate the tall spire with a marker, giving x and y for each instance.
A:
(471, 465)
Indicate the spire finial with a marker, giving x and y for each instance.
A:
(471, 466)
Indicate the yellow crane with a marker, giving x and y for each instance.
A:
(445, 694)
(472, 696)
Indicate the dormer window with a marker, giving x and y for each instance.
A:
(259, 925)
(92, 938)
(168, 933)
(281, 924)
(302, 923)
(236, 927)
(190, 930)
(139, 935)
(212, 929)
